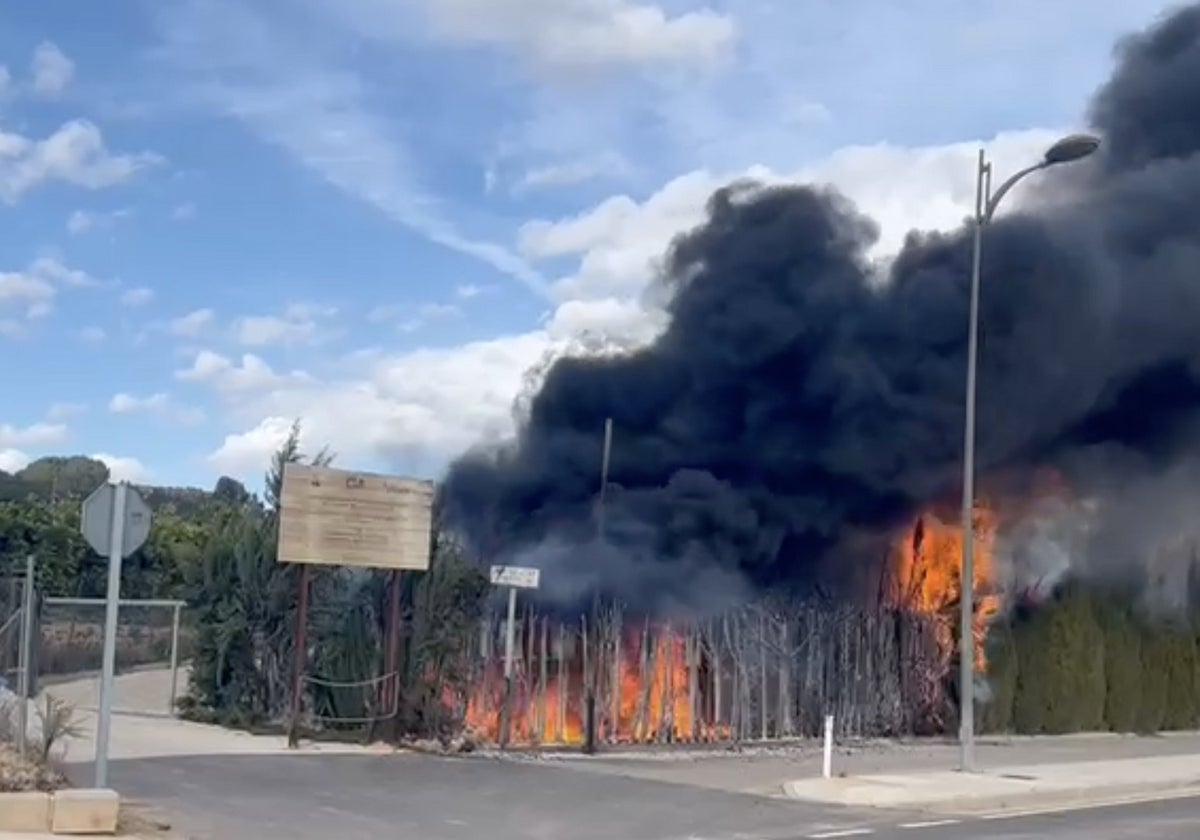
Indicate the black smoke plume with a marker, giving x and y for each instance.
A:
(796, 406)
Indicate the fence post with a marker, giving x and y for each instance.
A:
(25, 657)
(174, 660)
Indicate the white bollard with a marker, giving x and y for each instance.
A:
(827, 766)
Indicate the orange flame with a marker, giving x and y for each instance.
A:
(654, 692)
(928, 576)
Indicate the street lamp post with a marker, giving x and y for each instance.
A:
(1068, 149)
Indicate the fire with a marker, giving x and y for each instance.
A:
(649, 688)
(928, 576)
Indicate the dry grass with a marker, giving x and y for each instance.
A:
(19, 775)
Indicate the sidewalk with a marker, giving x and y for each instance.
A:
(1011, 787)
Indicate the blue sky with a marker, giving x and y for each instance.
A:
(378, 215)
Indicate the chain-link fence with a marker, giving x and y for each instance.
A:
(151, 635)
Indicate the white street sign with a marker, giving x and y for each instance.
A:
(518, 577)
(96, 522)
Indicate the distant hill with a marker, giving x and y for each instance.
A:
(75, 476)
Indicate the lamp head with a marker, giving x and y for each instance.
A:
(1071, 148)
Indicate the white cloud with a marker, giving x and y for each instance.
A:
(252, 71)
(137, 297)
(425, 405)
(93, 334)
(605, 165)
(127, 403)
(54, 269)
(64, 411)
(124, 469)
(469, 290)
(588, 33)
(183, 212)
(159, 404)
(297, 324)
(251, 374)
(74, 154)
(35, 435)
(13, 460)
(409, 319)
(618, 243)
(51, 70)
(32, 292)
(82, 221)
(193, 324)
(25, 289)
(432, 403)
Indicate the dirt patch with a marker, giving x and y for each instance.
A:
(142, 821)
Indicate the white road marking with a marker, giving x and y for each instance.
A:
(929, 823)
(848, 832)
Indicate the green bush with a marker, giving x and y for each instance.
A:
(1002, 679)
(1156, 657)
(1180, 709)
(1060, 679)
(1122, 667)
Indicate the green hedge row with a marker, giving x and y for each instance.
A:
(1088, 661)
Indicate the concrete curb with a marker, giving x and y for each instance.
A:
(1064, 798)
(68, 811)
(1004, 789)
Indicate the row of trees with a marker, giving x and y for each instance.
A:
(1087, 660)
(1090, 660)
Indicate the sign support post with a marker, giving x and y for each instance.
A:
(111, 606)
(300, 658)
(513, 577)
(115, 521)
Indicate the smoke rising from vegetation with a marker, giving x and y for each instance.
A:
(793, 408)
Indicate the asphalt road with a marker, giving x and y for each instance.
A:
(330, 797)
(351, 797)
(1169, 819)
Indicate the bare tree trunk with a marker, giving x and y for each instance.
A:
(693, 666)
(666, 725)
(587, 671)
(645, 686)
(716, 678)
(561, 684)
(784, 726)
(543, 679)
(615, 727)
(762, 669)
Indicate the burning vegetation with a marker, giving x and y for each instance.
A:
(797, 406)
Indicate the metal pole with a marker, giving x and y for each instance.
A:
(966, 726)
(510, 632)
(26, 657)
(604, 463)
(300, 658)
(827, 754)
(174, 659)
(592, 677)
(111, 606)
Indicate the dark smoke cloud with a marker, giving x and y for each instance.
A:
(793, 405)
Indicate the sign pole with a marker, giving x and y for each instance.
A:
(509, 640)
(112, 603)
(301, 658)
(392, 685)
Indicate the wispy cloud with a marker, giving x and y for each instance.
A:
(317, 111)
